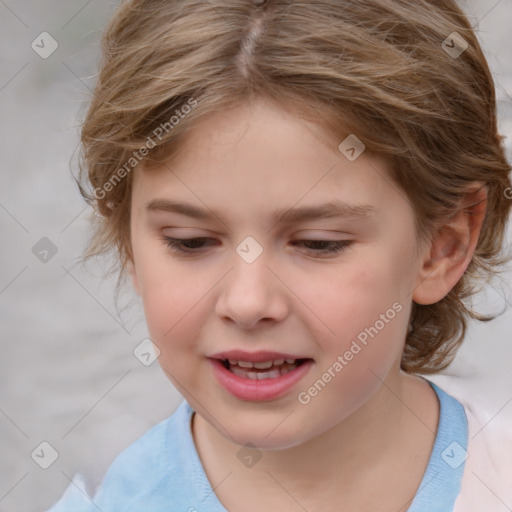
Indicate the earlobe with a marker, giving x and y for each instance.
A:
(133, 275)
(451, 249)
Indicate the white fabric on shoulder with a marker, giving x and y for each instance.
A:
(487, 479)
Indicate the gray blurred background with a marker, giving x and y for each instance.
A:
(68, 375)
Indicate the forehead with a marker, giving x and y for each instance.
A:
(262, 159)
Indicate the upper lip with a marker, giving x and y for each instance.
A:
(254, 357)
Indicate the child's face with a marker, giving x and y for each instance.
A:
(294, 298)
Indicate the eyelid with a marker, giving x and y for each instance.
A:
(321, 233)
(311, 235)
(191, 232)
(335, 247)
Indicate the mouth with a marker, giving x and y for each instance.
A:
(260, 376)
(271, 369)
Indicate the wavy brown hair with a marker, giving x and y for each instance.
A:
(375, 68)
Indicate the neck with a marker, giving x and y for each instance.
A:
(399, 418)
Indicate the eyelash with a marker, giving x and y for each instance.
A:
(176, 245)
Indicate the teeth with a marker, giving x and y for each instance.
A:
(264, 365)
(264, 375)
(273, 374)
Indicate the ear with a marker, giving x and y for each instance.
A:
(133, 274)
(448, 254)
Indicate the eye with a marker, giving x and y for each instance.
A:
(325, 246)
(182, 245)
(194, 245)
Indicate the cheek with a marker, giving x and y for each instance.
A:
(171, 297)
(171, 303)
(173, 316)
(363, 316)
(352, 298)
(359, 339)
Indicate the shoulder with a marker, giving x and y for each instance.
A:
(140, 470)
(487, 482)
(487, 478)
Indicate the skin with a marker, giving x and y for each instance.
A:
(366, 438)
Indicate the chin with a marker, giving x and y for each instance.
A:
(260, 441)
(264, 435)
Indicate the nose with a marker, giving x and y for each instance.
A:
(252, 293)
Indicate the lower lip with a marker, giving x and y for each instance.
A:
(258, 390)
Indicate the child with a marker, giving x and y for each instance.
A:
(304, 195)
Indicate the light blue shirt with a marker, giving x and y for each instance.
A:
(162, 472)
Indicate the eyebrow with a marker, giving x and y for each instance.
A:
(332, 209)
